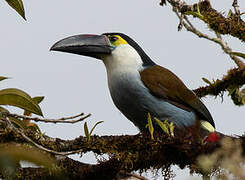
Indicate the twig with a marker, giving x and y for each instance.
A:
(177, 3)
(235, 78)
(19, 131)
(136, 176)
(163, 2)
(180, 26)
(189, 27)
(233, 25)
(236, 7)
(61, 120)
(188, 21)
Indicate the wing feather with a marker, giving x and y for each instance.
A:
(166, 85)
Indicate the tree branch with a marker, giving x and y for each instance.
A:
(61, 120)
(235, 78)
(236, 7)
(189, 27)
(232, 25)
(126, 153)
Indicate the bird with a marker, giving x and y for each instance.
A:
(138, 86)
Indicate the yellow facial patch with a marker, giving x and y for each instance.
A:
(117, 40)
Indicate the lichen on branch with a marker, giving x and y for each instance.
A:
(232, 25)
(127, 153)
(234, 79)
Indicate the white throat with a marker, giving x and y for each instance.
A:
(122, 67)
(123, 59)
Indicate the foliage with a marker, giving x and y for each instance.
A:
(89, 133)
(18, 98)
(18, 6)
(12, 154)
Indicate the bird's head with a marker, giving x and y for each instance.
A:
(104, 47)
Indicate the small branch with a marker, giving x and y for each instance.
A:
(135, 152)
(29, 140)
(181, 18)
(68, 168)
(236, 7)
(177, 3)
(126, 153)
(61, 120)
(233, 25)
(234, 79)
(189, 27)
(134, 176)
(163, 2)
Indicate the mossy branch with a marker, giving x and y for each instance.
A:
(126, 153)
(234, 79)
(232, 25)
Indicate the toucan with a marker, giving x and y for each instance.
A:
(138, 86)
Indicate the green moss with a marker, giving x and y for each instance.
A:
(232, 25)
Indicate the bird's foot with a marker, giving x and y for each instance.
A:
(167, 127)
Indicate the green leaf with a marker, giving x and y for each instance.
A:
(95, 127)
(206, 81)
(85, 127)
(150, 126)
(195, 14)
(164, 126)
(2, 78)
(229, 13)
(232, 90)
(198, 9)
(26, 153)
(18, 6)
(37, 100)
(238, 54)
(18, 123)
(19, 98)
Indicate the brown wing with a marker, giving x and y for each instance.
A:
(164, 84)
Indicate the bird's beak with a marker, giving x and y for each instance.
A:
(85, 44)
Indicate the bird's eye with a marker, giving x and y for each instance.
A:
(113, 38)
